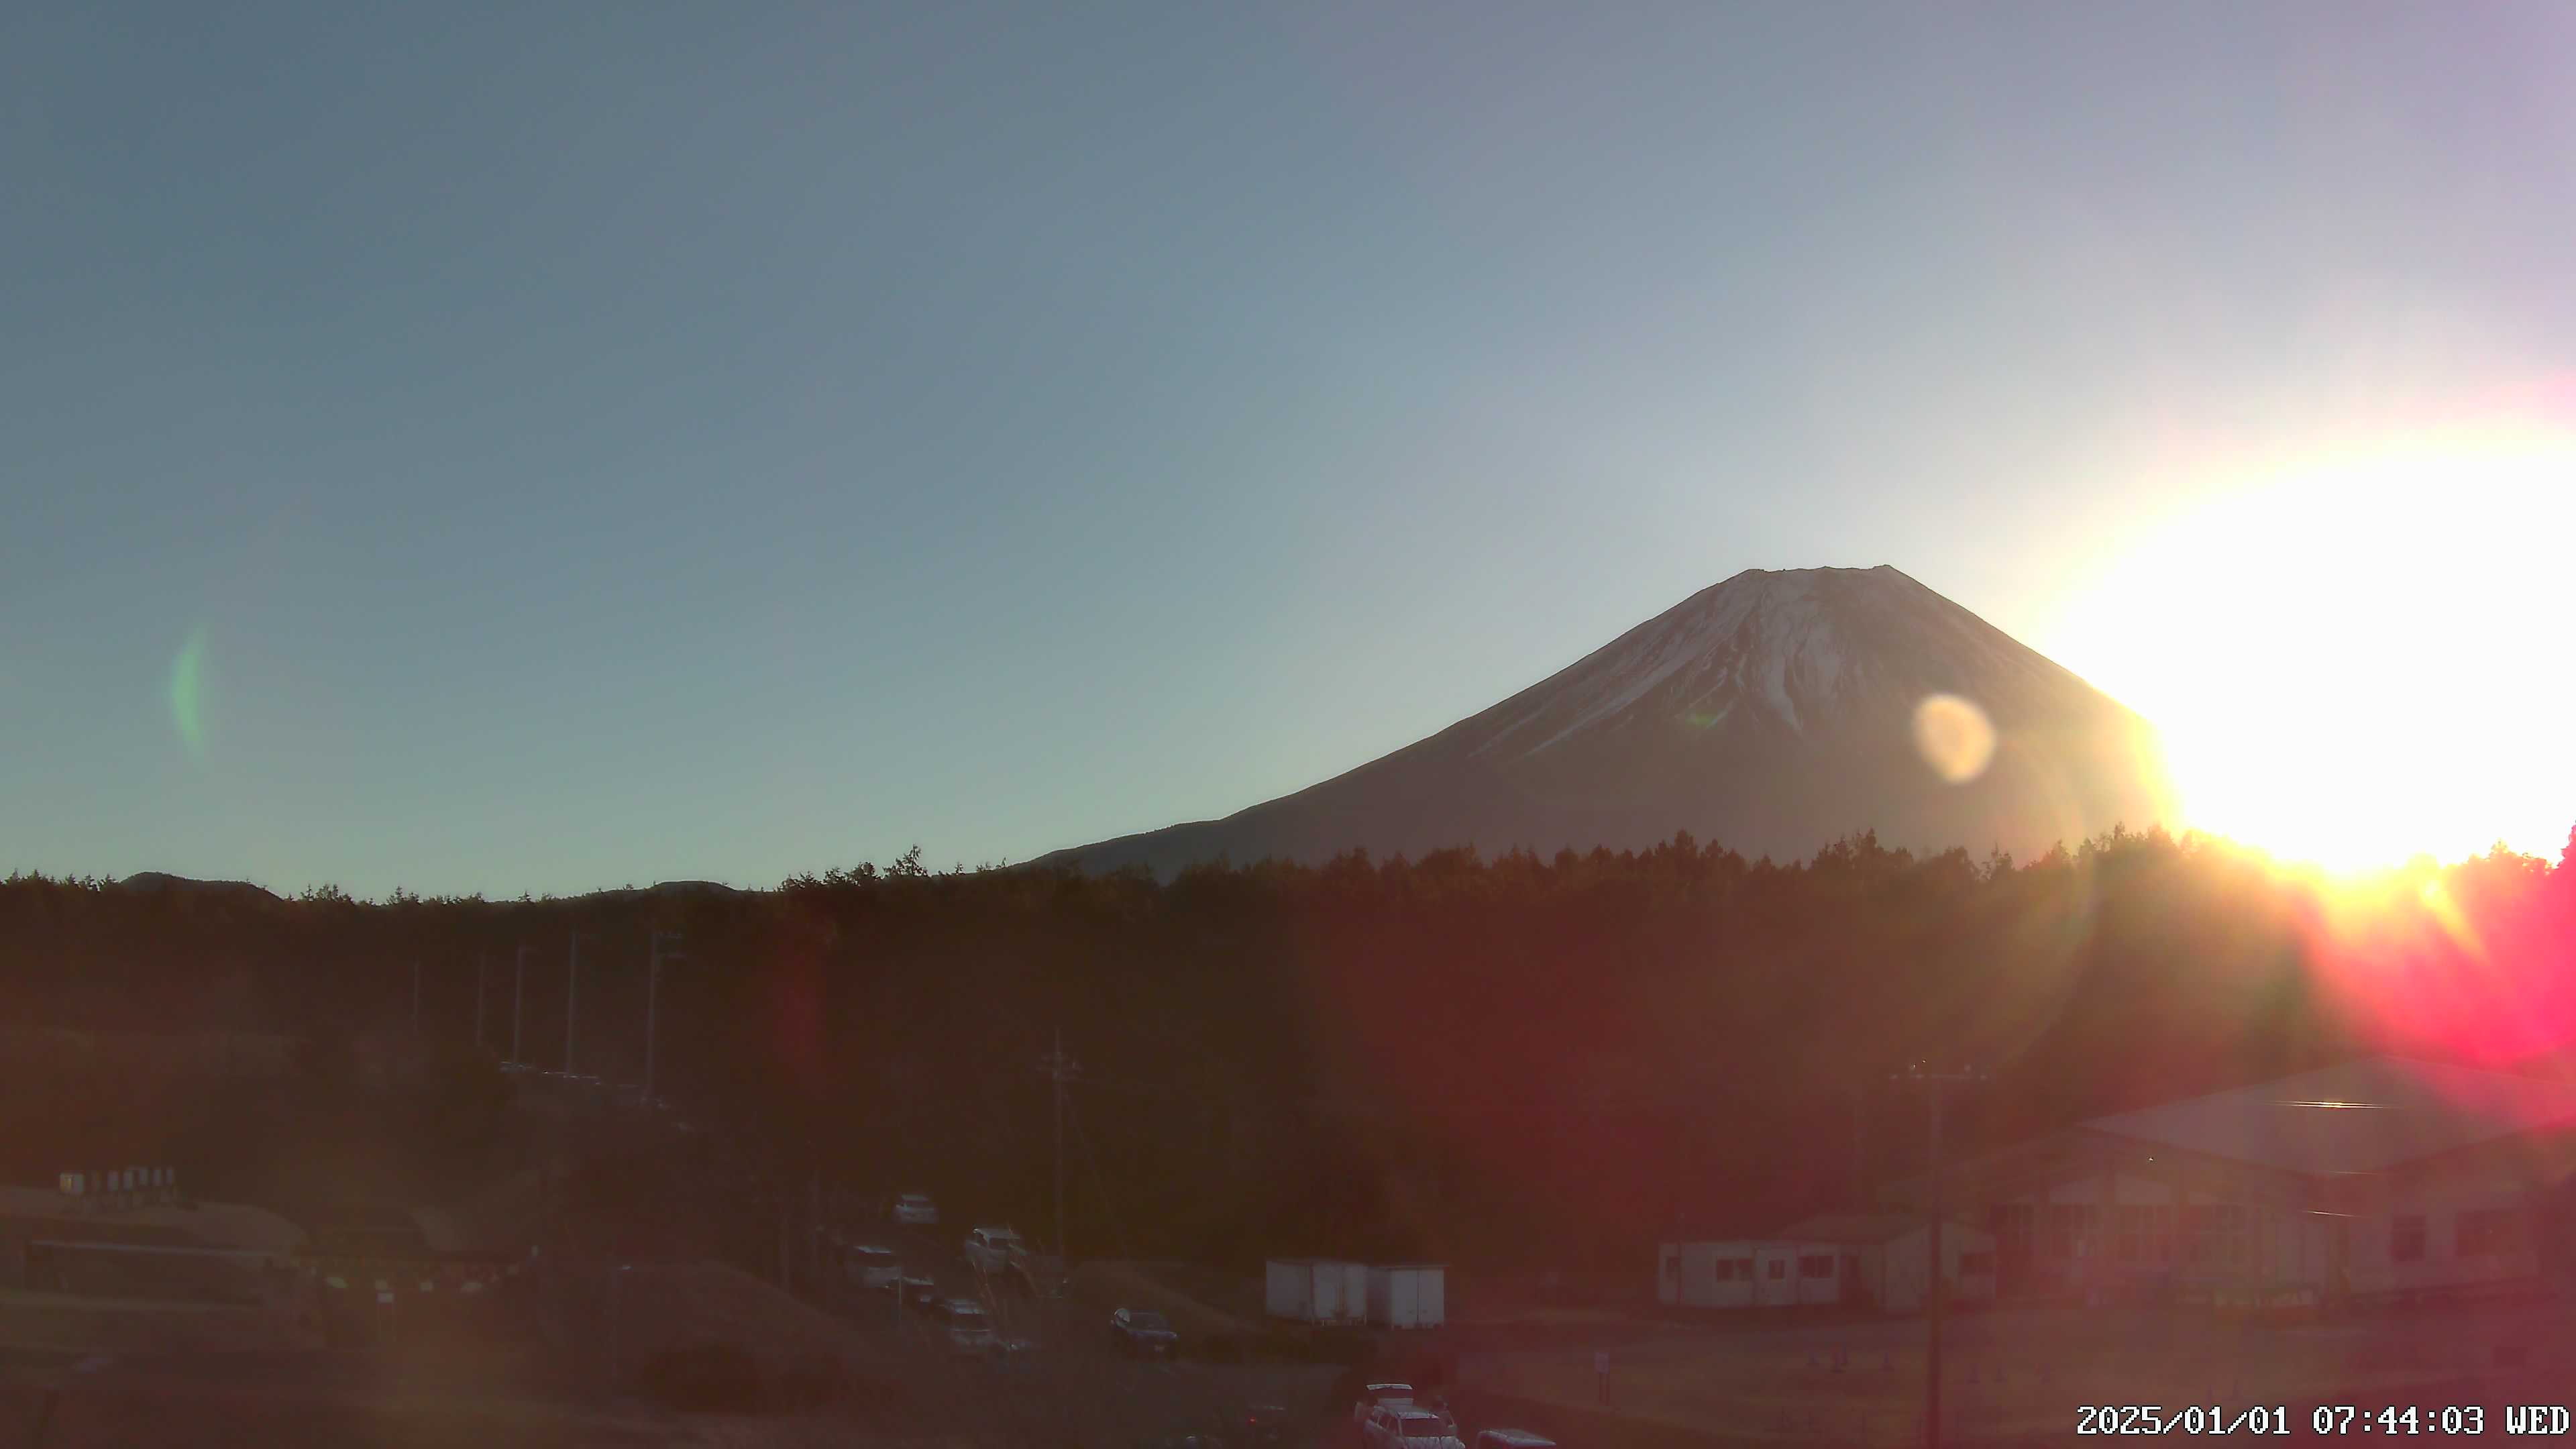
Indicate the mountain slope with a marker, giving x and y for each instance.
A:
(1772, 713)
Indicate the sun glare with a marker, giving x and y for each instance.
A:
(2362, 658)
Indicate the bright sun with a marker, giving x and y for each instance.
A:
(2363, 657)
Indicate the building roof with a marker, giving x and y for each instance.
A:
(206, 1224)
(2363, 1116)
(1856, 1229)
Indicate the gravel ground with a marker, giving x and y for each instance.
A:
(2026, 1372)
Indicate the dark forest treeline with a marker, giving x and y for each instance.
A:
(1518, 1059)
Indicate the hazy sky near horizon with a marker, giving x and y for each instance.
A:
(562, 447)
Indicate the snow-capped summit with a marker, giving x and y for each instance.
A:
(1777, 650)
(1773, 713)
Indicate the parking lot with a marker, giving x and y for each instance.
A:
(1073, 1386)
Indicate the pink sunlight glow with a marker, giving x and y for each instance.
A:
(2465, 962)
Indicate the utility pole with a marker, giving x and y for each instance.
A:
(1860, 1135)
(1060, 1070)
(572, 999)
(482, 980)
(518, 1005)
(1935, 1085)
(652, 998)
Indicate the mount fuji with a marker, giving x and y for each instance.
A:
(1773, 713)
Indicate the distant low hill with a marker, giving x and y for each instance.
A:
(162, 881)
(155, 880)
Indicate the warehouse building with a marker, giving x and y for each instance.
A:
(2384, 1177)
(1877, 1260)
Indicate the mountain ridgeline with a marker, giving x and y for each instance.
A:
(1773, 713)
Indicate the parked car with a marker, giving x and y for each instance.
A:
(919, 1292)
(1407, 1426)
(1512, 1439)
(913, 1210)
(1262, 1426)
(990, 1250)
(1141, 1331)
(873, 1267)
(1372, 1396)
(968, 1327)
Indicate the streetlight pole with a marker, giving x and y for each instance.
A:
(652, 999)
(1935, 1085)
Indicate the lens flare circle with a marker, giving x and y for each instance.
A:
(1954, 737)
(187, 693)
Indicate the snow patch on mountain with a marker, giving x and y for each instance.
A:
(1777, 638)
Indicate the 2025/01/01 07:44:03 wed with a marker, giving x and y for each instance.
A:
(2336, 1420)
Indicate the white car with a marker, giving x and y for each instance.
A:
(873, 1267)
(1404, 1426)
(914, 1210)
(1399, 1395)
(990, 1250)
(1513, 1439)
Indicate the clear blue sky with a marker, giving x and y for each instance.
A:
(607, 443)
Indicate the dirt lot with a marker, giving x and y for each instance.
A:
(297, 1399)
(1190, 1305)
(63, 1321)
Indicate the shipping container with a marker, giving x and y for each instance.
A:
(1317, 1290)
(1408, 1295)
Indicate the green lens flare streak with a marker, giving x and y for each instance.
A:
(185, 674)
